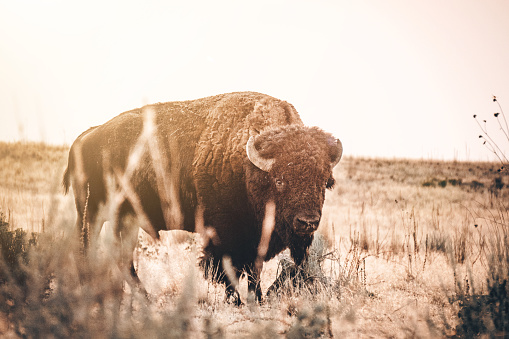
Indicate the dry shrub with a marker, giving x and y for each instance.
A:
(487, 313)
(480, 313)
(65, 294)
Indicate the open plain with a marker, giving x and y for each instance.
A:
(402, 245)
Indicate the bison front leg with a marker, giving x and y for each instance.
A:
(222, 271)
(288, 278)
(232, 295)
(299, 249)
(229, 275)
(293, 274)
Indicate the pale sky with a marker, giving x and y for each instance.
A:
(389, 78)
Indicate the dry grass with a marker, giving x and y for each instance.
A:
(30, 176)
(400, 237)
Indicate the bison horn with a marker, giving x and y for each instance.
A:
(256, 158)
(339, 151)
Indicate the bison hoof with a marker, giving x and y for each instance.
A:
(233, 297)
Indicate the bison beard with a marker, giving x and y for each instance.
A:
(224, 165)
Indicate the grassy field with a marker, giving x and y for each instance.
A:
(407, 248)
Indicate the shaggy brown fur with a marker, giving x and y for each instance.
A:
(203, 143)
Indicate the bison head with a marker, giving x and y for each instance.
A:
(292, 167)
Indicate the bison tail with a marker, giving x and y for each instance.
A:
(66, 181)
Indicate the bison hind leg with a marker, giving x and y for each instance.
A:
(90, 216)
(126, 238)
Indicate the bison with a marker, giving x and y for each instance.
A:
(228, 164)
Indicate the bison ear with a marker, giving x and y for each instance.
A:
(255, 157)
(335, 150)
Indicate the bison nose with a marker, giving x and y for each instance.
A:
(307, 223)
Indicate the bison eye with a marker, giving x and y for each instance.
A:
(280, 184)
(330, 183)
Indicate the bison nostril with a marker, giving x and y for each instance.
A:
(309, 223)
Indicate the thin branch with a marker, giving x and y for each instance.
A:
(503, 115)
(491, 143)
